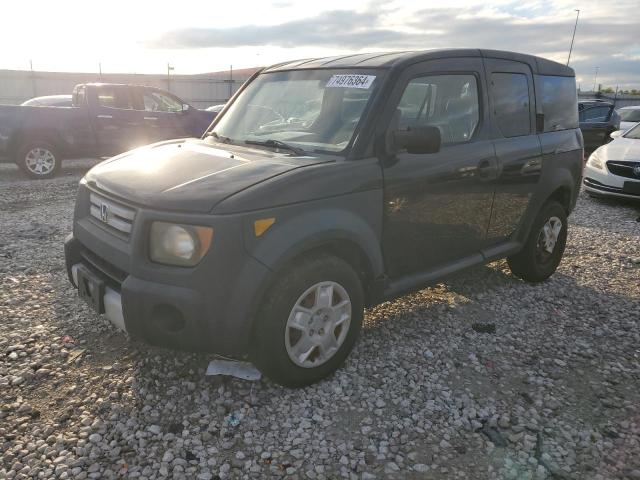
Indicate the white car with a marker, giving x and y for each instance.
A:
(613, 170)
(629, 116)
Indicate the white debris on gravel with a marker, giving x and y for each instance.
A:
(553, 393)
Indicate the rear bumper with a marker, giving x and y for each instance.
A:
(180, 317)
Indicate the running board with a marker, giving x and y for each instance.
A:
(413, 281)
(423, 279)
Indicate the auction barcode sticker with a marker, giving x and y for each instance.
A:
(351, 81)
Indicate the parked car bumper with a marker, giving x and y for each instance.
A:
(602, 182)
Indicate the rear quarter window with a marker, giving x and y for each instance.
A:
(559, 102)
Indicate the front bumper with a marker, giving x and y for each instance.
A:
(176, 316)
(602, 182)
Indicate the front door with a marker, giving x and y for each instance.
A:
(437, 206)
(163, 116)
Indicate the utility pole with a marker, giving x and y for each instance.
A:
(595, 78)
(169, 68)
(574, 35)
(33, 79)
(100, 69)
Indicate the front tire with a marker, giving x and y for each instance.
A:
(38, 159)
(309, 321)
(544, 248)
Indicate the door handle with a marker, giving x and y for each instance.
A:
(487, 168)
(105, 116)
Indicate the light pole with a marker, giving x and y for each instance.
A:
(574, 35)
(595, 79)
(169, 68)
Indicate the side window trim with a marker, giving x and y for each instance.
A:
(477, 77)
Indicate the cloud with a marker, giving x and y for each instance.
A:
(607, 38)
(340, 28)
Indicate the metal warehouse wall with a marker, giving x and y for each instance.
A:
(201, 91)
(619, 100)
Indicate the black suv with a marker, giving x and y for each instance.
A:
(325, 186)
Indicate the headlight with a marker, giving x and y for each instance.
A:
(182, 245)
(595, 160)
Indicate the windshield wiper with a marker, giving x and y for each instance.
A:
(221, 138)
(277, 144)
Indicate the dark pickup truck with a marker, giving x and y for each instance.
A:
(105, 119)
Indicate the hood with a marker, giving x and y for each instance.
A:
(622, 149)
(189, 175)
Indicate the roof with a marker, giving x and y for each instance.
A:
(391, 60)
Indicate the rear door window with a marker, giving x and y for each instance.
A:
(595, 114)
(511, 103)
(559, 102)
(114, 97)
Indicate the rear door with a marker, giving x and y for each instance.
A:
(594, 123)
(437, 206)
(518, 150)
(117, 124)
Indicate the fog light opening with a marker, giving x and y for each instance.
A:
(168, 318)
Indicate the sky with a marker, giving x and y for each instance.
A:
(136, 36)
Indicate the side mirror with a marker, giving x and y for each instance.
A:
(418, 140)
(185, 107)
(616, 134)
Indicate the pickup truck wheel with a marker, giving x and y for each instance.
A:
(543, 251)
(309, 321)
(38, 159)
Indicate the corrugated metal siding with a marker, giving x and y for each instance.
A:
(201, 91)
(619, 101)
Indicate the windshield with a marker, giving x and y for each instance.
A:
(633, 133)
(631, 115)
(310, 110)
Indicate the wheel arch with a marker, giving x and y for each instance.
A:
(340, 233)
(562, 195)
(24, 136)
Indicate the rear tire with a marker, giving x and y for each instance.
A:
(309, 321)
(535, 263)
(38, 159)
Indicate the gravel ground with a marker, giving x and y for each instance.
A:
(483, 376)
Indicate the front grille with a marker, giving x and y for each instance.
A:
(113, 216)
(624, 169)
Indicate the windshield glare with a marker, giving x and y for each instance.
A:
(314, 110)
(631, 115)
(633, 133)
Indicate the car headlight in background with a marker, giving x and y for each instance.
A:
(595, 160)
(181, 245)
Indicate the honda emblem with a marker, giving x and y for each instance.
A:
(104, 212)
